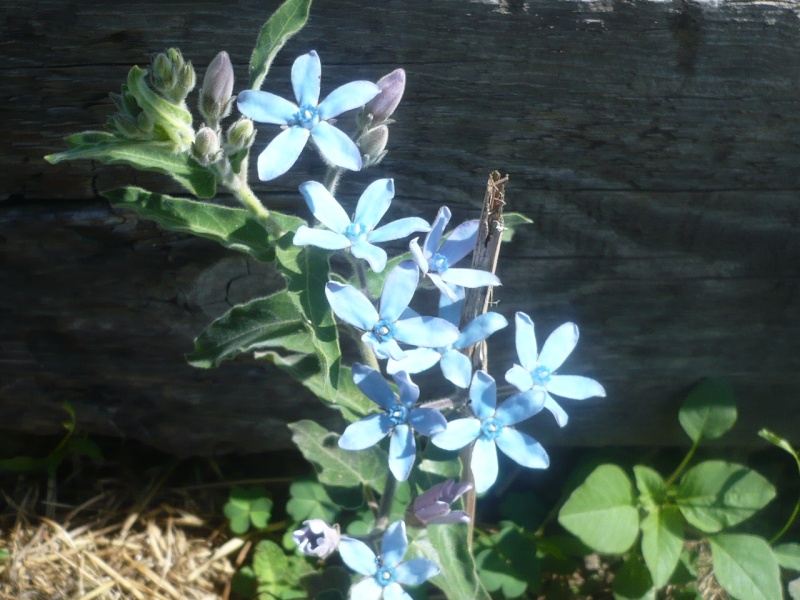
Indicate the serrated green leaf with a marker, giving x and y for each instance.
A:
(290, 18)
(632, 581)
(716, 494)
(144, 155)
(511, 221)
(309, 500)
(709, 410)
(788, 556)
(651, 486)
(234, 228)
(662, 542)
(746, 567)
(601, 512)
(337, 467)
(271, 322)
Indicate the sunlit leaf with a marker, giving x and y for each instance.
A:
(709, 410)
(290, 18)
(746, 566)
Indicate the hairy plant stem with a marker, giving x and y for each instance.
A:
(332, 176)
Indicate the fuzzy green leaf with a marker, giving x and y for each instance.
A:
(716, 494)
(746, 567)
(662, 542)
(290, 18)
(709, 410)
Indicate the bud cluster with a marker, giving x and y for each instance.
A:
(131, 121)
(171, 76)
(374, 118)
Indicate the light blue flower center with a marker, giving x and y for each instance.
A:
(491, 428)
(385, 576)
(438, 263)
(307, 117)
(398, 414)
(355, 232)
(541, 375)
(383, 330)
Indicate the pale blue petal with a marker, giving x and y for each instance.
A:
(408, 313)
(427, 421)
(416, 571)
(522, 449)
(306, 74)
(374, 386)
(358, 556)
(347, 97)
(264, 107)
(458, 434)
(418, 255)
(366, 589)
(527, 350)
(398, 229)
(351, 306)
(336, 147)
(409, 391)
(480, 328)
(402, 452)
(429, 332)
(484, 464)
(519, 378)
(521, 406)
(456, 368)
(558, 346)
(431, 245)
(374, 203)
(324, 206)
(451, 309)
(417, 360)
(460, 242)
(442, 286)
(483, 395)
(575, 387)
(321, 238)
(365, 433)
(394, 544)
(470, 278)
(385, 349)
(393, 591)
(376, 257)
(398, 289)
(555, 409)
(281, 153)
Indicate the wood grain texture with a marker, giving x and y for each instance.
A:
(655, 144)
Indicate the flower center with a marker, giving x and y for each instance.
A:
(490, 429)
(307, 117)
(383, 330)
(541, 375)
(398, 414)
(355, 232)
(438, 263)
(385, 576)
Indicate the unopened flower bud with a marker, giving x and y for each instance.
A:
(373, 146)
(171, 76)
(433, 506)
(205, 148)
(317, 538)
(215, 96)
(162, 76)
(381, 107)
(240, 135)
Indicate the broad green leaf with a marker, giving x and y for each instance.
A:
(788, 556)
(716, 494)
(632, 581)
(651, 486)
(145, 155)
(173, 120)
(234, 228)
(746, 567)
(601, 512)
(510, 223)
(246, 506)
(447, 546)
(662, 542)
(271, 322)
(337, 467)
(709, 410)
(510, 564)
(309, 500)
(290, 18)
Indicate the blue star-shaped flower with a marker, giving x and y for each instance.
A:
(384, 574)
(492, 429)
(536, 371)
(360, 234)
(308, 117)
(385, 328)
(436, 262)
(455, 365)
(399, 420)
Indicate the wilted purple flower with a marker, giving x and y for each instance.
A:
(317, 538)
(433, 506)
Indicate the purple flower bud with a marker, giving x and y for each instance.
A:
(373, 145)
(215, 96)
(433, 506)
(317, 538)
(381, 107)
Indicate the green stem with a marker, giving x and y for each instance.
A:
(786, 527)
(332, 177)
(689, 455)
(386, 503)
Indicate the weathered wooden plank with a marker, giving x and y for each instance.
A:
(655, 145)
